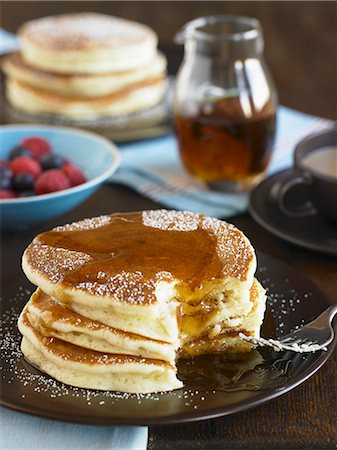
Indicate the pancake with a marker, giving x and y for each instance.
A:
(86, 43)
(85, 368)
(82, 84)
(150, 273)
(224, 321)
(223, 336)
(139, 96)
(52, 319)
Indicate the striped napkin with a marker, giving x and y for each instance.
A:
(153, 168)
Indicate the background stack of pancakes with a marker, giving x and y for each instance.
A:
(121, 297)
(85, 66)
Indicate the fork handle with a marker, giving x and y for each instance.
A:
(332, 311)
(328, 314)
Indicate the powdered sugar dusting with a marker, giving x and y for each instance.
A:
(282, 304)
(129, 287)
(54, 262)
(15, 370)
(126, 259)
(85, 224)
(169, 220)
(84, 30)
(232, 247)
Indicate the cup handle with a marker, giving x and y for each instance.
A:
(279, 191)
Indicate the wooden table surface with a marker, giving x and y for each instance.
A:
(303, 418)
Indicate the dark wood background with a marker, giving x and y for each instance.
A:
(301, 52)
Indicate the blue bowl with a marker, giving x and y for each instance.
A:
(96, 156)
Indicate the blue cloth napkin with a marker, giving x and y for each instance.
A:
(21, 431)
(153, 168)
(8, 42)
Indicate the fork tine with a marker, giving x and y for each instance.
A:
(292, 341)
(310, 341)
(286, 339)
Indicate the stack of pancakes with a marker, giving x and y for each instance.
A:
(121, 297)
(85, 66)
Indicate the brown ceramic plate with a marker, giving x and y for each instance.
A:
(313, 232)
(214, 386)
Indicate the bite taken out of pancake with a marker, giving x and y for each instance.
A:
(156, 285)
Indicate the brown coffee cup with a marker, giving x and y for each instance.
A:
(315, 167)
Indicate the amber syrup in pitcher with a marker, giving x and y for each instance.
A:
(222, 140)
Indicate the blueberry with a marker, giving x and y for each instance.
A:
(5, 172)
(5, 183)
(23, 182)
(52, 162)
(27, 194)
(19, 151)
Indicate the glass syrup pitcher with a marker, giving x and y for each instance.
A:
(224, 102)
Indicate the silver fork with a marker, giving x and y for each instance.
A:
(312, 337)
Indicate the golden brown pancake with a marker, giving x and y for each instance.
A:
(85, 368)
(140, 96)
(124, 268)
(152, 284)
(87, 43)
(54, 319)
(87, 85)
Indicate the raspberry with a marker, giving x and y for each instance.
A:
(74, 174)
(4, 193)
(39, 147)
(22, 164)
(51, 181)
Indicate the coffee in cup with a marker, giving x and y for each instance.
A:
(323, 161)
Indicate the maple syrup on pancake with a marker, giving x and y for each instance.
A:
(127, 247)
